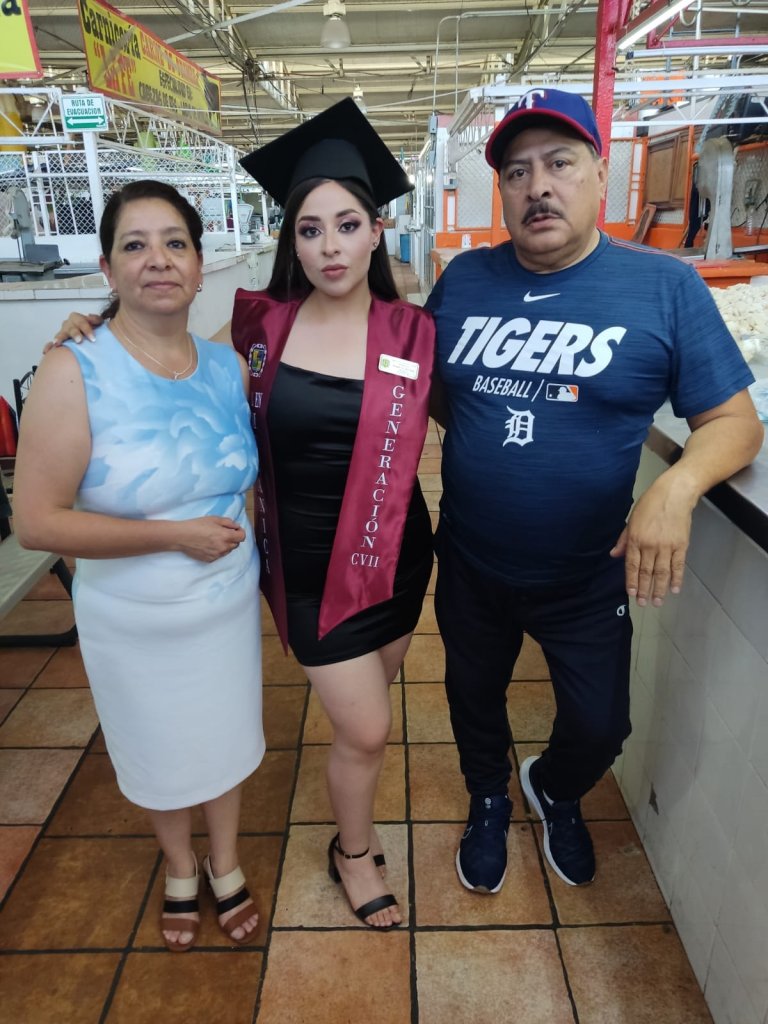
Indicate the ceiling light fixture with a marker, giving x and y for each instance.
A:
(335, 34)
(654, 15)
(357, 96)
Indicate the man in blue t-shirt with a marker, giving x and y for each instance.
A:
(554, 352)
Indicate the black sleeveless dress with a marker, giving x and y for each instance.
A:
(312, 421)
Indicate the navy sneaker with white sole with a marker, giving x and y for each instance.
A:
(481, 859)
(567, 842)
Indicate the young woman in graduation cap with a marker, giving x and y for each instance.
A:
(340, 371)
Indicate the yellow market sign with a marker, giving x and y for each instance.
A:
(18, 50)
(128, 62)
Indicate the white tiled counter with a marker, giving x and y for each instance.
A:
(32, 311)
(694, 772)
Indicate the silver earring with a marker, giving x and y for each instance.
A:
(375, 245)
(200, 287)
(113, 295)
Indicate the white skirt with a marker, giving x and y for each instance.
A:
(177, 687)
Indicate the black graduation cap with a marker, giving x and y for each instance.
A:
(338, 143)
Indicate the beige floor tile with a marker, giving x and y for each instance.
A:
(64, 669)
(268, 627)
(8, 701)
(311, 803)
(431, 450)
(434, 518)
(431, 481)
(318, 729)
(308, 898)
(432, 499)
(435, 783)
(93, 805)
(266, 794)
(279, 667)
(20, 666)
(15, 843)
(78, 894)
(31, 782)
(49, 588)
(425, 660)
(631, 975)
(604, 802)
(437, 787)
(38, 617)
(283, 710)
(51, 718)
(624, 889)
(531, 711)
(479, 977)
(432, 580)
(427, 713)
(56, 988)
(259, 859)
(97, 744)
(442, 900)
(530, 663)
(204, 987)
(430, 464)
(348, 976)
(427, 622)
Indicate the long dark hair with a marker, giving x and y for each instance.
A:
(288, 279)
(146, 188)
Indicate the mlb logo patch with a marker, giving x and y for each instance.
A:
(562, 393)
(257, 357)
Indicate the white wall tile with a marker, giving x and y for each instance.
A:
(635, 787)
(699, 694)
(654, 650)
(706, 851)
(671, 778)
(742, 927)
(694, 923)
(735, 677)
(663, 850)
(724, 990)
(758, 755)
(751, 844)
(745, 595)
(713, 545)
(687, 701)
(694, 630)
(721, 769)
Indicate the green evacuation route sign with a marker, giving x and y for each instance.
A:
(84, 112)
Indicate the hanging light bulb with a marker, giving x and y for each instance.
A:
(335, 34)
(357, 96)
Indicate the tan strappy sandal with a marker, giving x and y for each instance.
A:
(230, 891)
(180, 898)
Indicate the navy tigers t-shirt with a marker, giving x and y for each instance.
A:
(552, 382)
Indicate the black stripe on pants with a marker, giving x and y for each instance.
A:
(585, 633)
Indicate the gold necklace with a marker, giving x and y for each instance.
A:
(175, 374)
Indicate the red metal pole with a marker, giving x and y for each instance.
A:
(611, 16)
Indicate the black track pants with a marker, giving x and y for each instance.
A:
(585, 633)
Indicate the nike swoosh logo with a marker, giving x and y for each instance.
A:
(535, 298)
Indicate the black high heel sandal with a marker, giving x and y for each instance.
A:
(372, 906)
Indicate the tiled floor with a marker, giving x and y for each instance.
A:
(79, 941)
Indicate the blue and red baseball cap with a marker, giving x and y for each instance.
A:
(565, 107)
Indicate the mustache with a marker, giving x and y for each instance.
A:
(539, 208)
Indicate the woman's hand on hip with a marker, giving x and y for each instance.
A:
(208, 538)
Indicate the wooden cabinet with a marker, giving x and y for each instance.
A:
(666, 176)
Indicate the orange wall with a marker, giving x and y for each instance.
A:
(452, 239)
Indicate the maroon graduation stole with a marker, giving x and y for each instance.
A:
(385, 457)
